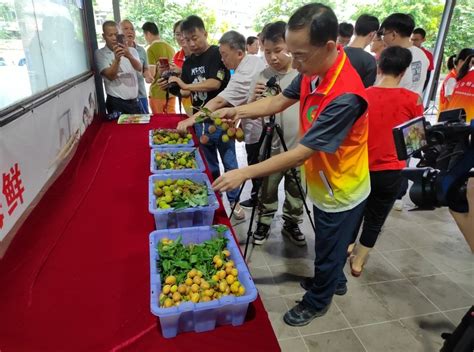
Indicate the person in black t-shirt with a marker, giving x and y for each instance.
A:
(366, 28)
(203, 77)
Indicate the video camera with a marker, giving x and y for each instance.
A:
(446, 153)
(173, 87)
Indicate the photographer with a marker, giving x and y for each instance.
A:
(118, 65)
(333, 149)
(159, 54)
(279, 67)
(385, 168)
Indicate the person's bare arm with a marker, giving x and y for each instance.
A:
(465, 221)
(111, 72)
(263, 107)
(136, 64)
(290, 159)
(213, 104)
(208, 85)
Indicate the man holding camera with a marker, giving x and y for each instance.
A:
(160, 54)
(118, 65)
(333, 149)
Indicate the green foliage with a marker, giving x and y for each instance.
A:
(177, 260)
(461, 33)
(281, 10)
(165, 13)
(427, 14)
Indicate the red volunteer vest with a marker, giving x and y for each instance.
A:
(339, 181)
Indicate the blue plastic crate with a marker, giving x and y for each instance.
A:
(188, 217)
(152, 145)
(200, 163)
(204, 316)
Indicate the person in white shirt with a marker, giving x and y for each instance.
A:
(232, 50)
(396, 30)
(118, 65)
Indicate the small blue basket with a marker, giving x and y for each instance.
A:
(199, 317)
(200, 163)
(188, 217)
(152, 145)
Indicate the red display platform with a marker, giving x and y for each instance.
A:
(76, 276)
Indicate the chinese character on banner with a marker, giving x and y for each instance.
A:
(1, 217)
(12, 188)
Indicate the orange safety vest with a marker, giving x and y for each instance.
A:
(443, 101)
(339, 181)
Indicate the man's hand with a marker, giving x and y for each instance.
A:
(125, 50)
(179, 81)
(226, 114)
(175, 68)
(185, 124)
(162, 83)
(260, 88)
(118, 52)
(230, 180)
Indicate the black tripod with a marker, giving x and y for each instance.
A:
(265, 153)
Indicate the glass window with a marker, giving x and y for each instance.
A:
(42, 44)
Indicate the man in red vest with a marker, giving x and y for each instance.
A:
(333, 149)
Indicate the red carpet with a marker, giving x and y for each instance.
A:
(76, 276)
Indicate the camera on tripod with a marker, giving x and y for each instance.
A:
(446, 153)
(272, 87)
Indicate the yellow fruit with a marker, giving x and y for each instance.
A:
(205, 299)
(208, 293)
(228, 270)
(225, 138)
(170, 280)
(205, 285)
(234, 272)
(223, 286)
(195, 297)
(166, 289)
(199, 273)
(197, 280)
(241, 290)
(218, 263)
(226, 252)
(216, 258)
(230, 279)
(234, 288)
(176, 296)
(168, 302)
(221, 274)
(215, 278)
(227, 291)
(188, 281)
(192, 273)
(230, 264)
(174, 288)
(182, 288)
(195, 288)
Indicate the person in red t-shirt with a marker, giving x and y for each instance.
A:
(389, 106)
(418, 37)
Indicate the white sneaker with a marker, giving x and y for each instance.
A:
(398, 205)
(239, 213)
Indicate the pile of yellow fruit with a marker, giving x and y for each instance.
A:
(196, 289)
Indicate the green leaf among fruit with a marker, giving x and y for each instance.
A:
(180, 194)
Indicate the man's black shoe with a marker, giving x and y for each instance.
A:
(341, 289)
(293, 232)
(261, 234)
(249, 203)
(301, 314)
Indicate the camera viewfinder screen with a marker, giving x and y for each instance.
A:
(414, 136)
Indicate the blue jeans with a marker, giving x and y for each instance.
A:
(226, 151)
(144, 103)
(334, 233)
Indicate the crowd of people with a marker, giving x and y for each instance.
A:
(336, 103)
